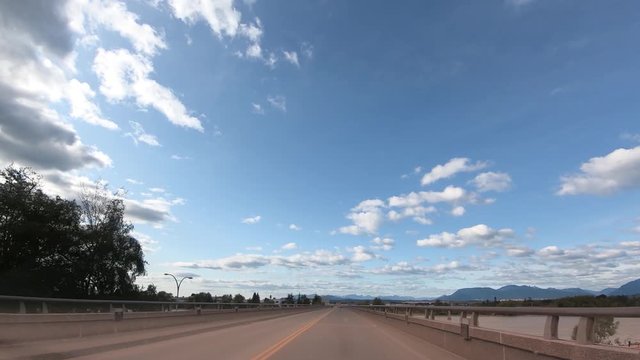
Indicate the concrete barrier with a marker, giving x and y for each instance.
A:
(16, 328)
(476, 343)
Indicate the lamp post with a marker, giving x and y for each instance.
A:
(178, 284)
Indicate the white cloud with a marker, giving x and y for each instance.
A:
(550, 251)
(366, 217)
(417, 213)
(292, 57)
(289, 246)
(519, 251)
(318, 258)
(479, 235)
(385, 244)
(222, 17)
(179, 157)
(147, 242)
(157, 189)
(458, 211)
(134, 181)
(450, 194)
(278, 102)
(451, 168)
(114, 16)
(492, 181)
(254, 248)
(257, 109)
(139, 135)
(78, 93)
(613, 172)
(252, 220)
(123, 74)
(294, 227)
(361, 254)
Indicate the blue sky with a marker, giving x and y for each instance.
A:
(341, 147)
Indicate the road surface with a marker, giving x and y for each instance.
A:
(328, 333)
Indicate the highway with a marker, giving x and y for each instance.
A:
(327, 333)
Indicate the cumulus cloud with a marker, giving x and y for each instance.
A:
(458, 211)
(252, 220)
(36, 43)
(604, 175)
(385, 244)
(366, 217)
(361, 254)
(492, 181)
(478, 235)
(452, 167)
(139, 135)
(294, 227)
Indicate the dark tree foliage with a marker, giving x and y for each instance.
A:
(317, 300)
(201, 297)
(255, 298)
(377, 301)
(238, 298)
(50, 246)
(289, 299)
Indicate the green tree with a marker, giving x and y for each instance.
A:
(317, 300)
(377, 301)
(50, 246)
(238, 298)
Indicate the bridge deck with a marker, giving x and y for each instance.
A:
(338, 333)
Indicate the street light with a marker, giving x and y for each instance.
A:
(178, 283)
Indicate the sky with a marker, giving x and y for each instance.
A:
(334, 147)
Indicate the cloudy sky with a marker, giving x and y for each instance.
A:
(341, 147)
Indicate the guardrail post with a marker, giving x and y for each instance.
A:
(45, 309)
(118, 314)
(23, 309)
(584, 334)
(406, 316)
(385, 312)
(426, 313)
(199, 310)
(449, 315)
(432, 315)
(463, 315)
(474, 319)
(551, 327)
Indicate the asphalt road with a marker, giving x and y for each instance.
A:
(337, 333)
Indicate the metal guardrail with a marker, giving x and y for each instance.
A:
(468, 315)
(40, 305)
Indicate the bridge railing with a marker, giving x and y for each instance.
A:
(469, 315)
(40, 305)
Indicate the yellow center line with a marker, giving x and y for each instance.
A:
(282, 343)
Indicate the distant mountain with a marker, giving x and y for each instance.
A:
(514, 292)
(630, 288)
(606, 291)
(504, 293)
